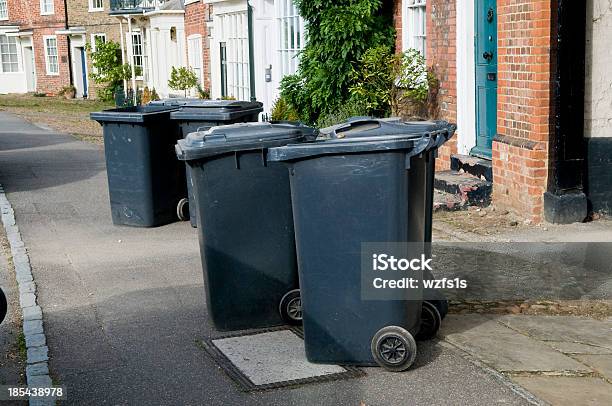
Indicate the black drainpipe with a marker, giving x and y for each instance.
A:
(251, 51)
(565, 201)
(66, 26)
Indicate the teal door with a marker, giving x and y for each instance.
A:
(486, 76)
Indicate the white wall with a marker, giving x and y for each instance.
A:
(165, 53)
(598, 90)
(14, 82)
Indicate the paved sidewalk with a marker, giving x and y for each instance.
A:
(562, 360)
(124, 308)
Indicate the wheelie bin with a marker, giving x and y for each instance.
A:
(200, 115)
(245, 223)
(366, 183)
(145, 181)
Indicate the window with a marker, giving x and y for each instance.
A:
(95, 38)
(3, 10)
(194, 55)
(8, 54)
(46, 7)
(235, 55)
(290, 35)
(415, 23)
(137, 53)
(51, 60)
(96, 5)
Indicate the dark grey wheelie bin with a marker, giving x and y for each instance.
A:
(245, 223)
(359, 186)
(200, 115)
(145, 181)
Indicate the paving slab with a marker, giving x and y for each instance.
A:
(554, 390)
(600, 363)
(504, 349)
(272, 357)
(562, 328)
(577, 348)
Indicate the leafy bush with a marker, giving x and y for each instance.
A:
(282, 111)
(202, 93)
(182, 79)
(338, 34)
(352, 108)
(387, 82)
(146, 95)
(108, 70)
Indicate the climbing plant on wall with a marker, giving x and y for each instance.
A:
(338, 34)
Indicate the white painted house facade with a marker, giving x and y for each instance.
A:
(17, 69)
(278, 37)
(153, 42)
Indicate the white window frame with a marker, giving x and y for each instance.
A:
(414, 25)
(4, 10)
(195, 57)
(16, 53)
(142, 65)
(93, 39)
(93, 8)
(43, 7)
(234, 33)
(46, 48)
(291, 38)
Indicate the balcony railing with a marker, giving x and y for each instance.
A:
(128, 6)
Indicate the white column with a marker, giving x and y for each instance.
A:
(466, 80)
(131, 58)
(122, 52)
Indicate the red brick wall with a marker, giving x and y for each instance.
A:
(196, 16)
(520, 151)
(50, 84)
(26, 14)
(441, 58)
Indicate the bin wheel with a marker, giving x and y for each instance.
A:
(430, 322)
(182, 209)
(290, 308)
(3, 306)
(441, 305)
(394, 348)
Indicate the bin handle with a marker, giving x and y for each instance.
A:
(352, 123)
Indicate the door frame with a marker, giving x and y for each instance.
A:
(466, 76)
(478, 150)
(29, 64)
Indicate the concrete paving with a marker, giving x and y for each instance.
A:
(124, 308)
(556, 390)
(505, 349)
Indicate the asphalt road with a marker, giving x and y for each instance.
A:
(124, 307)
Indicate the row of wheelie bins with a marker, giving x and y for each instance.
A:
(282, 210)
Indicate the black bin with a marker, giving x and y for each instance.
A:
(369, 182)
(200, 115)
(245, 223)
(145, 181)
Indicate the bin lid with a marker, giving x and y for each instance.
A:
(210, 110)
(370, 135)
(368, 126)
(240, 137)
(133, 115)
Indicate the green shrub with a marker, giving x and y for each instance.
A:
(283, 111)
(352, 108)
(338, 34)
(108, 70)
(387, 82)
(202, 93)
(182, 79)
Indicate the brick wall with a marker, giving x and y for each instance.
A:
(45, 83)
(96, 22)
(520, 150)
(196, 16)
(441, 58)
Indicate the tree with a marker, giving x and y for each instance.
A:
(182, 79)
(108, 69)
